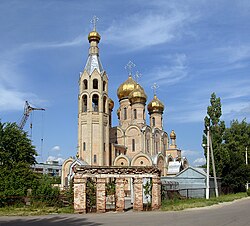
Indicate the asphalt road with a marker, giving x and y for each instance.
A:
(236, 213)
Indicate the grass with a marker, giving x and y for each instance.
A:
(33, 210)
(177, 204)
(167, 205)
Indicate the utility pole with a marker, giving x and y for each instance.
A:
(212, 156)
(207, 184)
(246, 164)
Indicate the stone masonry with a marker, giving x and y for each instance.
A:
(120, 174)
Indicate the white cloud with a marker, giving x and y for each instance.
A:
(199, 161)
(56, 148)
(146, 29)
(54, 158)
(235, 53)
(77, 41)
(169, 74)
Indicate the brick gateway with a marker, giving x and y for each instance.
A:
(120, 174)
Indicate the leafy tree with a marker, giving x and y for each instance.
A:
(91, 193)
(44, 192)
(229, 145)
(17, 154)
(217, 129)
(236, 139)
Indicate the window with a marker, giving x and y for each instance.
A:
(85, 84)
(125, 113)
(133, 144)
(84, 103)
(135, 114)
(95, 84)
(104, 86)
(95, 102)
(84, 146)
(153, 121)
(156, 147)
(104, 104)
(95, 160)
(147, 145)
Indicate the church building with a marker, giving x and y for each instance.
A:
(132, 142)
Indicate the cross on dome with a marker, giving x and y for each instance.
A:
(129, 67)
(154, 87)
(137, 76)
(94, 21)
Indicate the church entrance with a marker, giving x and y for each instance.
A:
(116, 192)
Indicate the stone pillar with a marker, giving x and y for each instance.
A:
(138, 196)
(156, 193)
(100, 195)
(79, 194)
(120, 195)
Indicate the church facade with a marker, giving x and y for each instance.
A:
(132, 142)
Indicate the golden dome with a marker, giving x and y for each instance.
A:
(126, 88)
(94, 36)
(111, 104)
(155, 106)
(137, 95)
(172, 135)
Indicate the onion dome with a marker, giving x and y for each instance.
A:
(94, 36)
(137, 95)
(155, 106)
(126, 88)
(111, 104)
(172, 135)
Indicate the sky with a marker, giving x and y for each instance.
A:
(189, 48)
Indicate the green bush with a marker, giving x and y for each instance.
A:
(248, 192)
(44, 193)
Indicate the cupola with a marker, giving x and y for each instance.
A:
(155, 106)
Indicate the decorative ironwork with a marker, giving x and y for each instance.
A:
(129, 67)
(137, 76)
(94, 21)
(154, 87)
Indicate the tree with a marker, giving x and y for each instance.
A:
(17, 154)
(236, 139)
(44, 192)
(217, 129)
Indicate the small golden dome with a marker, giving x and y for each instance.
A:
(155, 106)
(126, 88)
(137, 95)
(172, 135)
(111, 104)
(94, 36)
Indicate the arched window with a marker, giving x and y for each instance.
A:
(84, 146)
(95, 103)
(135, 114)
(104, 86)
(133, 144)
(125, 113)
(85, 84)
(95, 84)
(147, 145)
(95, 159)
(104, 104)
(84, 103)
(153, 121)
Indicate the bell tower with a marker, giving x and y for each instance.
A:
(94, 110)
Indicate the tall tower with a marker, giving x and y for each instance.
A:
(94, 108)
